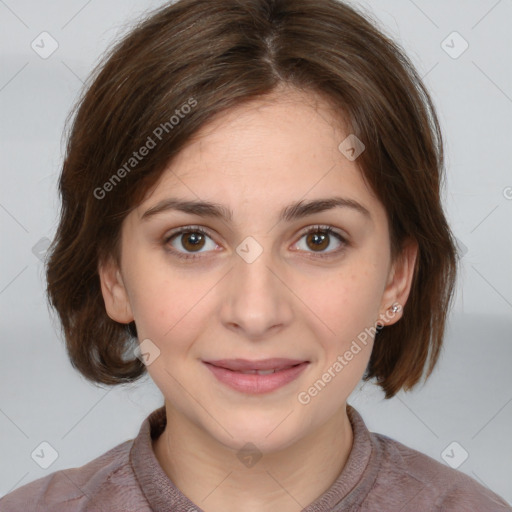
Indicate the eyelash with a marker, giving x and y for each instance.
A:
(328, 230)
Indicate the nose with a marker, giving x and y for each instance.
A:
(256, 301)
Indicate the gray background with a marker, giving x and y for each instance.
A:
(469, 397)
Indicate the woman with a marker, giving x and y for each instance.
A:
(251, 212)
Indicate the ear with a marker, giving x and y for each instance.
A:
(114, 292)
(399, 283)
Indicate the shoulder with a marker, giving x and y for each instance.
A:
(104, 480)
(430, 484)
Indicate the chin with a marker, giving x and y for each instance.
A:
(266, 438)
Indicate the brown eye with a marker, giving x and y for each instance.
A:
(188, 242)
(320, 238)
(192, 241)
(185, 242)
(317, 241)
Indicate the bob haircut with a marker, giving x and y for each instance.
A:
(194, 59)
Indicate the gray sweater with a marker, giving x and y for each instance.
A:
(381, 475)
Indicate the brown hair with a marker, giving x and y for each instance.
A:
(211, 55)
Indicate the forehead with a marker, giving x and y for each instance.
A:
(258, 135)
(270, 151)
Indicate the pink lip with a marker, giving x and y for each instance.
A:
(262, 364)
(254, 383)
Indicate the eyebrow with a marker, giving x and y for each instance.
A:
(289, 213)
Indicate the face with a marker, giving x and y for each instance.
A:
(258, 285)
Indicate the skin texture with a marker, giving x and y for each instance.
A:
(289, 302)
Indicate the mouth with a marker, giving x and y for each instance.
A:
(256, 377)
(262, 366)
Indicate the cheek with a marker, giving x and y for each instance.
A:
(345, 301)
(169, 306)
(346, 305)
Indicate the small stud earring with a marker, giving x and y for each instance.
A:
(395, 307)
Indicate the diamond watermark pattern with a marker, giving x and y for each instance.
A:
(147, 352)
(351, 147)
(40, 248)
(44, 455)
(461, 247)
(454, 454)
(249, 455)
(454, 45)
(44, 45)
(249, 250)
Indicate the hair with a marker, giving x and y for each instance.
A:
(194, 59)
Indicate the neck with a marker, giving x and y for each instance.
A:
(213, 477)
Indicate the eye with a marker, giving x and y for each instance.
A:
(194, 238)
(320, 237)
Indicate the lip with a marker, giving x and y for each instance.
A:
(255, 383)
(261, 364)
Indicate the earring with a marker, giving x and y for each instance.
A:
(395, 307)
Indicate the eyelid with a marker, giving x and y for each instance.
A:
(322, 227)
(186, 229)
